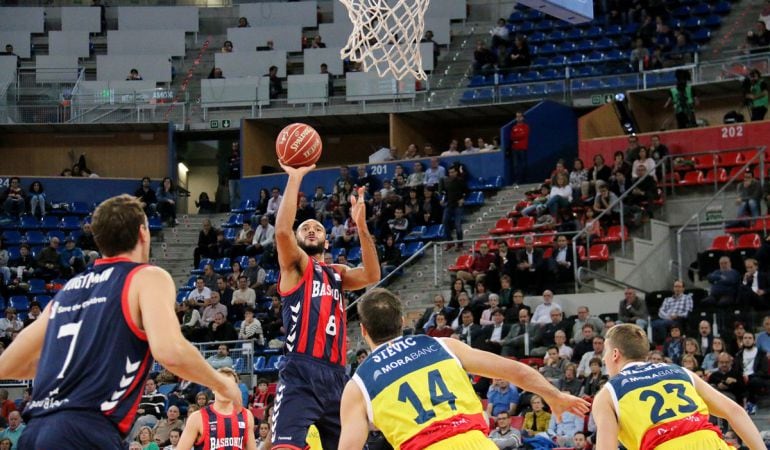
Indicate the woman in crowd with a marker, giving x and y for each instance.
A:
(458, 286)
(167, 198)
(147, 439)
(643, 160)
(578, 179)
(570, 382)
(709, 363)
(593, 381)
(37, 199)
(536, 421)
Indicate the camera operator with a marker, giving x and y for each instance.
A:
(755, 93)
(683, 100)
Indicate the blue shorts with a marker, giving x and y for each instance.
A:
(71, 430)
(309, 393)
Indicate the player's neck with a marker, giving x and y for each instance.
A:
(134, 255)
(223, 407)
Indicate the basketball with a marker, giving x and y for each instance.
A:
(298, 145)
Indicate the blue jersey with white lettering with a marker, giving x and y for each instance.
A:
(314, 315)
(94, 357)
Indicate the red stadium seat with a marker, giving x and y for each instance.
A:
(491, 244)
(545, 240)
(706, 161)
(749, 241)
(720, 176)
(548, 253)
(599, 252)
(692, 178)
(463, 262)
(581, 253)
(532, 361)
(524, 224)
(517, 422)
(731, 159)
(515, 243)
(760, 225)
(502, 226)
(725, 243)
(615, 233)
(671, 179)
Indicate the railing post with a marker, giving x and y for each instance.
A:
(716, 180)
(622, 230)
(577, 261)
(435, 264)
(679, 254)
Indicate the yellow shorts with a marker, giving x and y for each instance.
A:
(472, 440)
(699, 440)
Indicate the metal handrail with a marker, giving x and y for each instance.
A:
(696, 216)
(604, 277)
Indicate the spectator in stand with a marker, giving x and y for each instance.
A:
(163, 428)
(537, 204)
(227, 47)
(562, 261)
(584, 318)
(15, 429)
(469, 149)
(640, 55)
(263, 240)
(167, 197)
(483, 264)
(243, 298)
(692, 349)
(553, 366)
(221, 330)
(37, 199)
(758, 39)
(633, 309)
(646, 192)
(276, 87)
(441, 327)
(493, 303)
(643, 159)
(484, 59)
(592, 382)
(207, 242)
(505, 437)
(570, 382)
(728, 378)
(757, 95)
(6, 406)
(537, 420)
(530, 268)
(49, 260)
(436, 49)
(213, 308)
(499, 35)
(262, 398)
(674, 310)
(599, 172)
(146, 195)
(585, 343)
(411, 152)
(317, 42)
(416, 179)
(216, 73)
(561, 432)
(222, 249)
(434, 173)
(467, 331)
(763, 338)
(519, 57)
(752, 362)
(221, 358)
(578, 179)
(513, 344)
(428, 318)
(225, 292)
(502, 397)
(491, 336)
(151, 409)
(133, 75)
(274, 202)
(704, 337)
(5, 271)
(724, 284)
(201, 295)
(9, 326)
(398, 225)
(749, 196)
(632, 149)
(519, 147)
(251, 328)
(234, 175)
(673, 348)
(454, 188)
(620, 183)
(25, 261)
(619, 164)
(13, 199)
(71, 259)
(390, 257)
(711, 358)
(209, 277)
(546, 334)
(542, 314)
(584, 368)
(505, 261)
(453, 149)
(273, 323)
(243, 240)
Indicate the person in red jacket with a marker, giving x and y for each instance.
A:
(519, 146)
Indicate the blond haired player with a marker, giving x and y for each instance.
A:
(415, 389)
(660, 406)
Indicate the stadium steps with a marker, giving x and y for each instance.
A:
(732, 34)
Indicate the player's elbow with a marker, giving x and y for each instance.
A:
(169, 355)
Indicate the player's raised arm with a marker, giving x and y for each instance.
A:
(290, 256)
(19, 360)
(152, 293)
(369, 272)
(192, 429)
(493, 366)
(722, 406)
(355, 424)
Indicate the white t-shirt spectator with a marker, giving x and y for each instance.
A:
(199, 296)
(247, 297)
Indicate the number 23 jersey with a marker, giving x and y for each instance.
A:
(418, 393)
(656, 403)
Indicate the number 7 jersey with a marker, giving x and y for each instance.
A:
(94, 357)
(657, 407)
(417, 393)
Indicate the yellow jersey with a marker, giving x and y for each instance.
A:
(657, 404)
(418, 394)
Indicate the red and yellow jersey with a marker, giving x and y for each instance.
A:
(658, 407)
(418, 393)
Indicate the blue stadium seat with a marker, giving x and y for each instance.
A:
(222, 265)
(605, 44)
(230, 234)
(631, 29)
(336, 252)
(259, 363)
(166, 389)
(722, 8)
(70, 223)
(50, 223)
(547, 49)
(681, 12)
(475, 198)
(11, 238)
(271, 276)
(416, 234)
(556, 36)
(13, 253)
(181, 296)
(234, 221)
(37, 287)
(245, 206)
(702, 9)
(577, 58)
(544, 25)
(493, 183)
(558, 61)
(434, 232)
(468, 96)
(57, 233)
(478, 80)
(585, 46)
(29, 222)
(201, 266)
(567, 47)
(238, 365)
(551, 74)
(692, 23)
(516, 17)
(80, 209)
(412, 248)
(702, 36)
(512, 77)
(484, 95)
(155, 223)
(244, 260)
(19, 302)
(354, 255)
(35, 238)
(2, 303)
(530, 76)
(574, 34)
(537, 37)
(594, 32)
(191, 282)
(712, 22)
(506, 93)
(540, 61)
(525, 27)
(613, 31)
(43, 300)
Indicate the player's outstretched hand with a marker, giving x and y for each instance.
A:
(297, 171)
(358, 207)
(232, 391)
(564, 402)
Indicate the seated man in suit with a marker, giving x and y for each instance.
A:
(724, 284)
(529, 266)
(467, 331)
(428, 318)
(562, 261)
(491, 336)
(753, 289)
(513, 342)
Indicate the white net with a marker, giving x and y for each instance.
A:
(386, 36)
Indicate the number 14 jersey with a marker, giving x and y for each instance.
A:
(657, 404)
(418, 393)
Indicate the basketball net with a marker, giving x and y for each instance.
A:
(386, 35)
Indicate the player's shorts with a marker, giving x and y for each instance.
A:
(71, 430)
(471, 440)
(698, 440)
(309, 392)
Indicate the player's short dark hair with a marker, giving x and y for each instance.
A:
(229, 371)
(380, 313)
(116, 224)
(630, 340)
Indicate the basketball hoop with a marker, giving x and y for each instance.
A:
(386, 35)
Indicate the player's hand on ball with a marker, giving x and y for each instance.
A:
(564, 402)
(297, 171)
(358, 206)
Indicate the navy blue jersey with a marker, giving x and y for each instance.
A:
(94, 357)
(314, 314)
(222, 431)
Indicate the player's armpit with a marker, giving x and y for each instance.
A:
(19, 360)
(606, 422)
(191, 431)
(355, 424)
